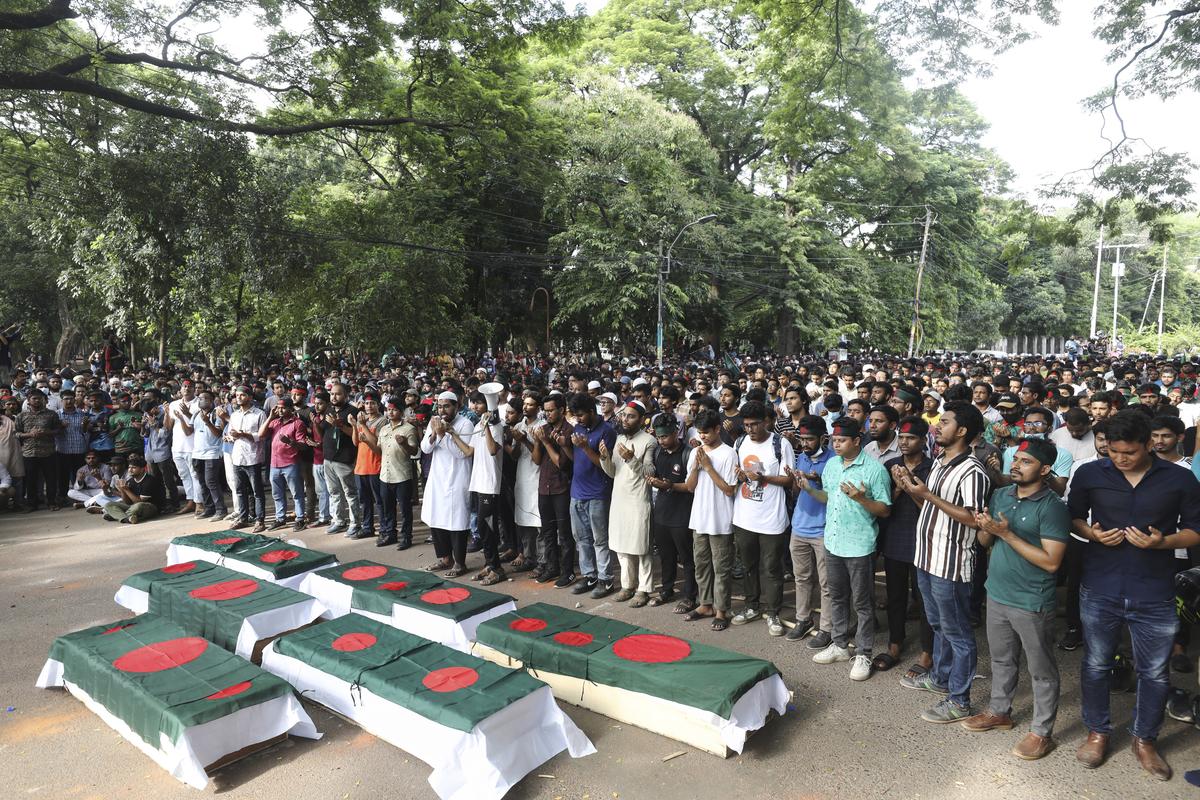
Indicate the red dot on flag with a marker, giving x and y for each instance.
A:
(365, 573)
(175, 569)
(353, 642)
(527, 624)
(441, 597)
(652, 648)
(450, 679)
(226, 590)
(573, 638)
(229, 691)
(394, 586)
(275, 556)
(116, 628)
(162, 656)
(228, 540)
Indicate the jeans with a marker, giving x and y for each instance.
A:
(343, 493)
(1152, 625)
(762, 556)
(558, 542)
(370, 499)
(808, 557)
(851, 583)
(318, 472)
(209, 491)
(947, 607)
(1010, 631)
(393, 494)
(675, 548)
(589, 521)
(250, 488)
(283, 479)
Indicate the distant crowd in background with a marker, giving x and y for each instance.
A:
(992, 492)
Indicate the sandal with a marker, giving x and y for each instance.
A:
(493, 578)
(883, 662)
(719, 624)
(507, 556)
(684, 607)
(660, 599)
(694, 615)
(482, 574)
(456, 572)
(439, 565)
(915, 671)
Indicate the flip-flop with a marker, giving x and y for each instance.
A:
(659, 600)
(719, 624)
(883, 662)
(684, 607)
(694, 615)
(916, 671)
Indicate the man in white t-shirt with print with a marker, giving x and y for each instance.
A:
(760, 515)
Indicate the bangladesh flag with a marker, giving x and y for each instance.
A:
(257, 555)
(228, 608)
(151, 679)
(454, 689)
(550, 638)
(376, 588)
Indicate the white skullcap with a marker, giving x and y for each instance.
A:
(450, 396)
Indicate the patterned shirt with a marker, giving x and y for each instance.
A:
(37, 422)
(945, 546)
(72, 439)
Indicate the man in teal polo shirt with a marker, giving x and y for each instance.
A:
(1027, 528)
(857, 493)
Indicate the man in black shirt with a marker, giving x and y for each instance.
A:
(141, 494)
(672, 510)
(335, 424)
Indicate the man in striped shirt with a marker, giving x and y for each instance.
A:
(945, 559)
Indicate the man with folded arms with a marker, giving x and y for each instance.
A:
(1140, 509)
(1027, 529)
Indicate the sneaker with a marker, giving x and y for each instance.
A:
(832, 654)
(945, 711)
(259, 528)
(603, 589)
(334, 529)
(352, 532)
(363, 534)
(1071, 639)
(799, 630)
(774, 626)
(819, 641)
(584, 586)
(277, 525)
(860, 668)
(1181, 663)
(745, 615)
(1179, 706)
(547, 576)
(922, 683)
(564, 581)
(475, 545)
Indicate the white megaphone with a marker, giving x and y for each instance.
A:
(491, 394)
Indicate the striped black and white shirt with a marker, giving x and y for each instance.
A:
(946, 547)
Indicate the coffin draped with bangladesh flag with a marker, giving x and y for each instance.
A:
(705, 696)
(256, 555)
(480, 726)
(228, 608)
(418, 602)
(188, 704)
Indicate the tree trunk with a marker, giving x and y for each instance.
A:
(70, 336)
(162, 335)
(785, 338)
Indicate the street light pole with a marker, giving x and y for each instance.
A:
(664, 270)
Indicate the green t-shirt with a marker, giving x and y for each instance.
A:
(1012, 580)
(126, 438)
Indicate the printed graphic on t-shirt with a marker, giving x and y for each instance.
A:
(752, 490)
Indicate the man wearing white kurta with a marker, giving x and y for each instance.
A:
(630, 463)
(178, 420)
(444, 506)
(525, 492)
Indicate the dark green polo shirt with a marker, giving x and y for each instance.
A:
(1011, 579)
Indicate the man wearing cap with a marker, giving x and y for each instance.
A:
(1005, 432)
(760, 515)
(445, 506)
(1026, 526)
(857, 492)
(672, 509)
(606, 405)
(629, 463)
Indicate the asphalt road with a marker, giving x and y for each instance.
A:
(58, 573)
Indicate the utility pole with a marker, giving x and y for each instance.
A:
(659, 337)
(1162, 296)
(916, 319)
(1096, 289)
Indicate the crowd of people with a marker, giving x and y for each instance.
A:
(988, 492)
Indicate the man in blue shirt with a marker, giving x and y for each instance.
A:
(591, 495)
(808, 533)
(1134, 510)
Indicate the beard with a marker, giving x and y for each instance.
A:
(630, 429)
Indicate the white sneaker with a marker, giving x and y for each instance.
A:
(774, 626)
(832, 654)
(860, 669)
(746, 615)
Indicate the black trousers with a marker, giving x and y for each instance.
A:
(250, 487)
(210, 473)
(489, 534)
(506, 510)
(451, 544)
(41, 471)
(68, 464)
(558, 542)
(169, 476)
(1073, 567)
(901, 578)
(675, 549)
